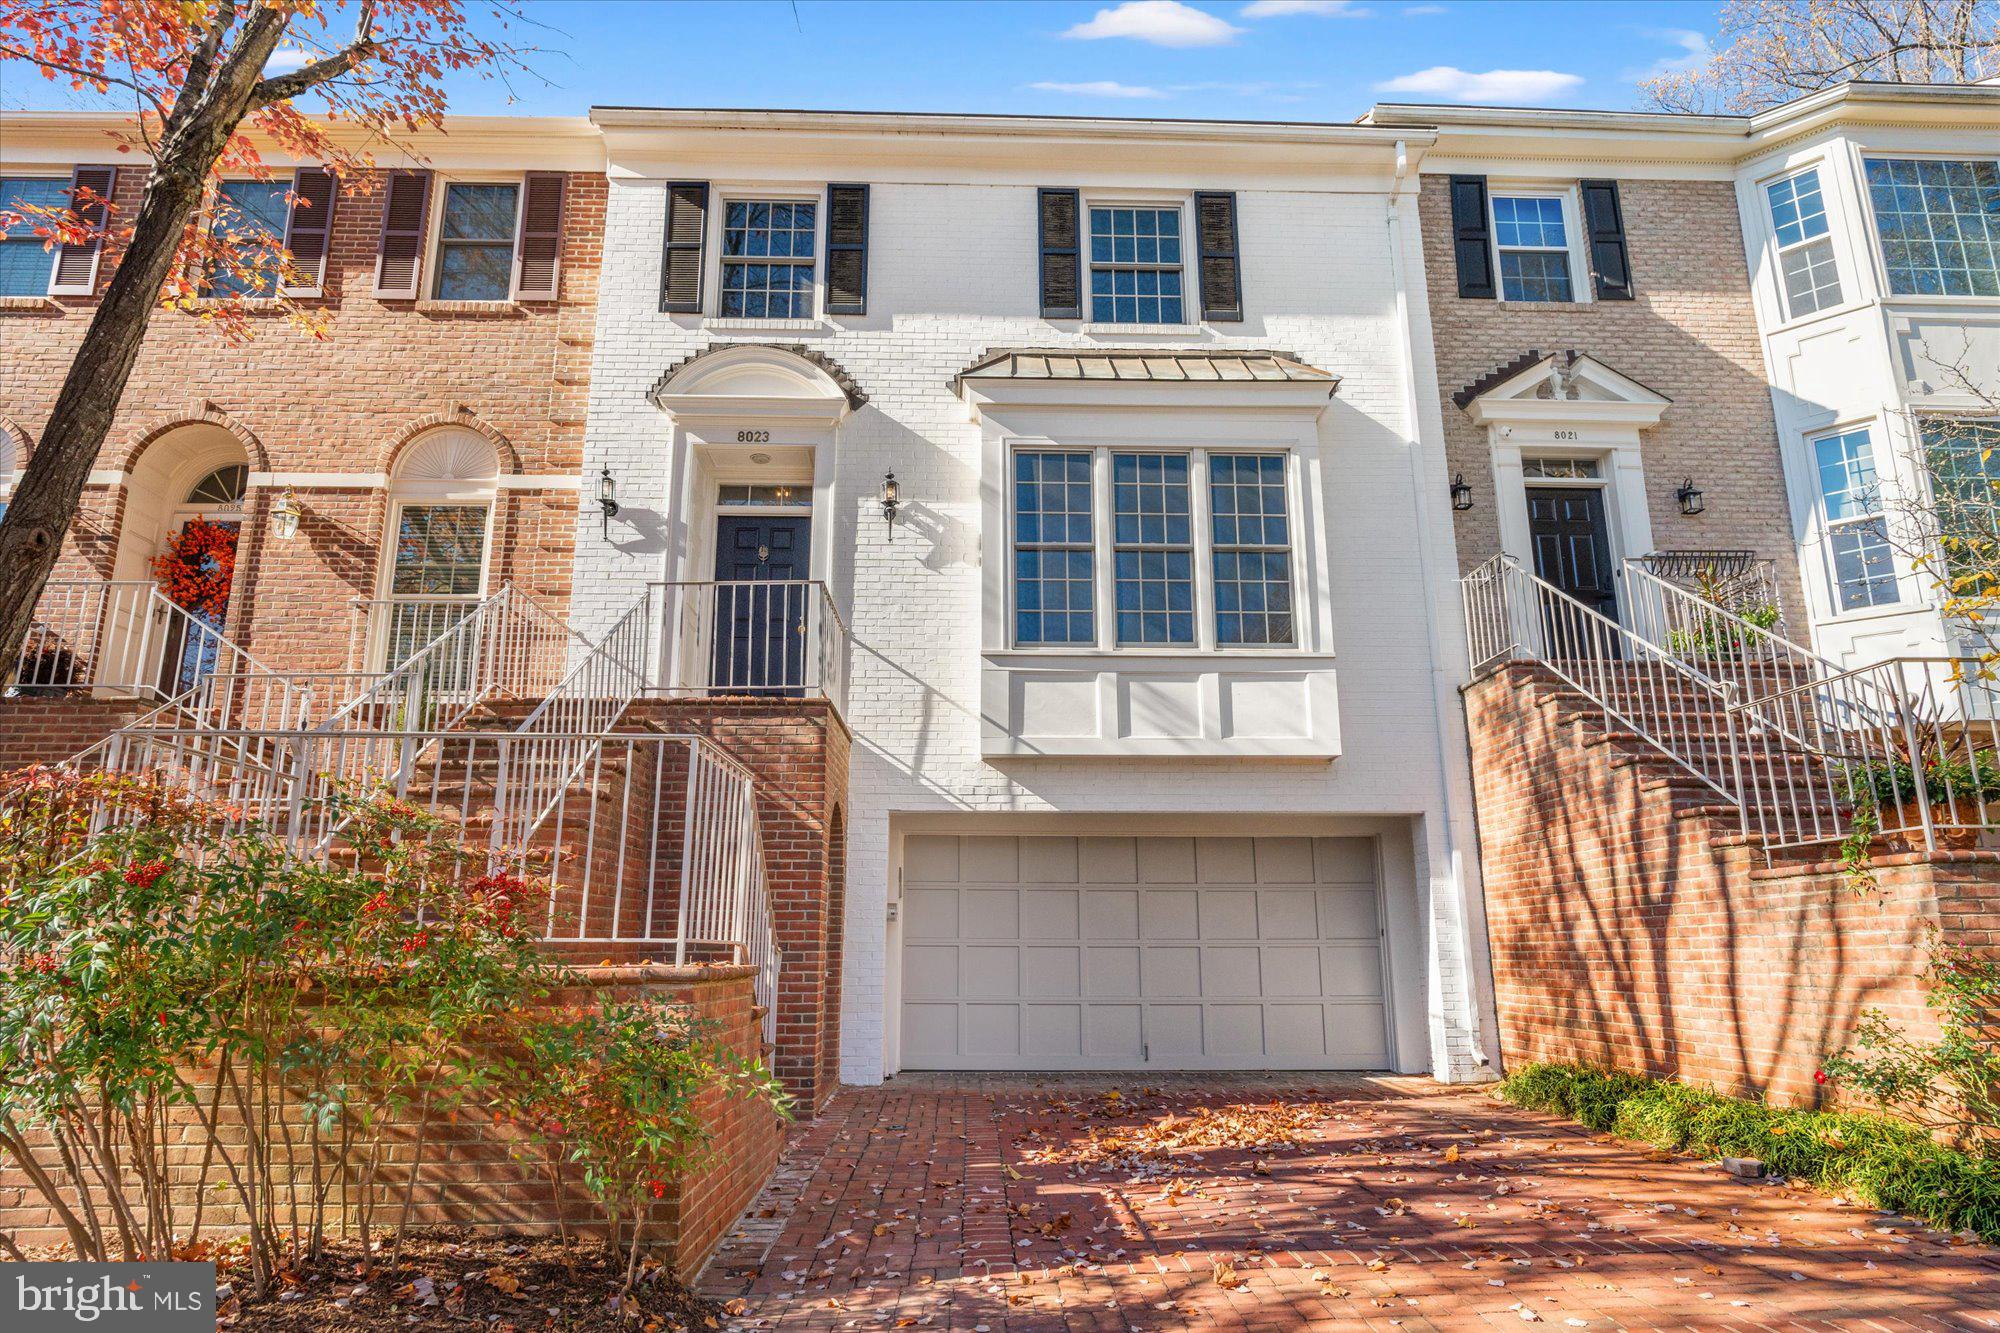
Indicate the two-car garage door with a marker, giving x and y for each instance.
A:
(1041, 952)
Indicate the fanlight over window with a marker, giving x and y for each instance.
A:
(224, 486)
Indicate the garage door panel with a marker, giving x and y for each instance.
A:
(930, 914)
(1111, 914)
(1227, 915)
(1131, 953)
(1171, 914)
(1051, 970)
(1230, 973)
(930, 971)
(931, 858)
(1049, 914)
(990, 914)
(1052, 1032)
(1174, 971)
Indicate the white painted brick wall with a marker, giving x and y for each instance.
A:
(952, 273)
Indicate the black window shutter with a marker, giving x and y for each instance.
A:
(847, 249)
(1221, 270)
(1471, 238)
(680, 265)
(1062, 253)
(1604, 221)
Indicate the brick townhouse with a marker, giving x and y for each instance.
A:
(427, 445)
(1043, 569)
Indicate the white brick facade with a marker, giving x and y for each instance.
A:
(1331, 273)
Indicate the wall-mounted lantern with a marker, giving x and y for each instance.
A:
(891, 501)
(285, 515)
(607, 499)
(1461, 494)
(1690, 497)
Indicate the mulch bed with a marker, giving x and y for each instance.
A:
(451, 1279)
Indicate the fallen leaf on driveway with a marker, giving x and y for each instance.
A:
(1226, 1276)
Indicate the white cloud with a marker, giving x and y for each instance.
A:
(286, 59)
(1099, 88)
(1328, 9)
(1418, 11)
(1695, 53)
(1493, 85)
(1161, 22)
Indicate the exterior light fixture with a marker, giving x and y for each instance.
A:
(1461, 494)
(891, 502)
(1690, 497)
(285, 515)
(607, 498)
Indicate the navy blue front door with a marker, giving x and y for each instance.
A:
(761, 604)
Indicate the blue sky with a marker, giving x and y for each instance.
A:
(1258, 59)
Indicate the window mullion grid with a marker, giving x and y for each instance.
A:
(1203, 560)
(1104, 549)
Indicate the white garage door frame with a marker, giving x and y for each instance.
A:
(1256, 950)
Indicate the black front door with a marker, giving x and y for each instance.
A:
(1573, 551)
(761, 604)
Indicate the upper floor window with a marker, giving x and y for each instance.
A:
(1135, 266)
(25, 264)
(1805, 250)
(1939, 222)
(767, 259)
(1532, 239)
(1863, 566)
(1199, 554)
(248, 222)
(476, 242)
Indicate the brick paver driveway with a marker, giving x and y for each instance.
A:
(1013, 1203)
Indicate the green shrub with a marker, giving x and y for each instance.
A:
(1879, 1161)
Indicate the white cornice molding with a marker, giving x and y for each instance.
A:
(557, 143)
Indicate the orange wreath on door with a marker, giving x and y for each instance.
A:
(196, 568)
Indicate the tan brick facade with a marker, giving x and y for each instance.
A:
(1689, 334)
(387, 370)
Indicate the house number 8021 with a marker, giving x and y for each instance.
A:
(1565, 435)
(753, 437)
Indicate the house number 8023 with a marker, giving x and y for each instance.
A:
(753, 437)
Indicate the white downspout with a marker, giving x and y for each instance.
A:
(1464, 909)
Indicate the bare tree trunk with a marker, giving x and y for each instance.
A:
(45, 502)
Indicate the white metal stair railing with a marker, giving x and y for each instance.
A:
(779, 638)
(558, 740)
(1676, 710)
(1915, 737)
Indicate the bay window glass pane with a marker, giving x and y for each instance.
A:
(1252, 540)
(1812, 280)
(251, 222)
(1939, 224)
(1962, 456)
(1054, 576)
(1153, 558)
(1863, 566)
(476, 243)
(1798, 212)
(1847, 475)
(24, 265)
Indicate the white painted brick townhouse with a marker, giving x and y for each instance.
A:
(1157, 760)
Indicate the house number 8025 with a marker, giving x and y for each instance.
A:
(753, 437)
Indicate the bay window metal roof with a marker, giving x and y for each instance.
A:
(1194, 365)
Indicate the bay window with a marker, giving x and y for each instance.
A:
(1939, 224)
(1805, 249)
(1190, 548)
(1862, 564)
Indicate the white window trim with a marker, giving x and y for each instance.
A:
(1818, 170)
(1862, 157)
(1190, 273)
(1581, 281)
(721, 198)
(1104, 548)
(434, 236)
(55, 255)
(1828, 526)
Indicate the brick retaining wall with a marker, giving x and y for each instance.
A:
(45, 728)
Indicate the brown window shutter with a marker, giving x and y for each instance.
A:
(309, 230)
(536, 278)
(76, 265)
(1604, 222)
(399, 260)
(680, 265)
(1221, 271)
(1062, 253)
(847, 249)
(1471, 236)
